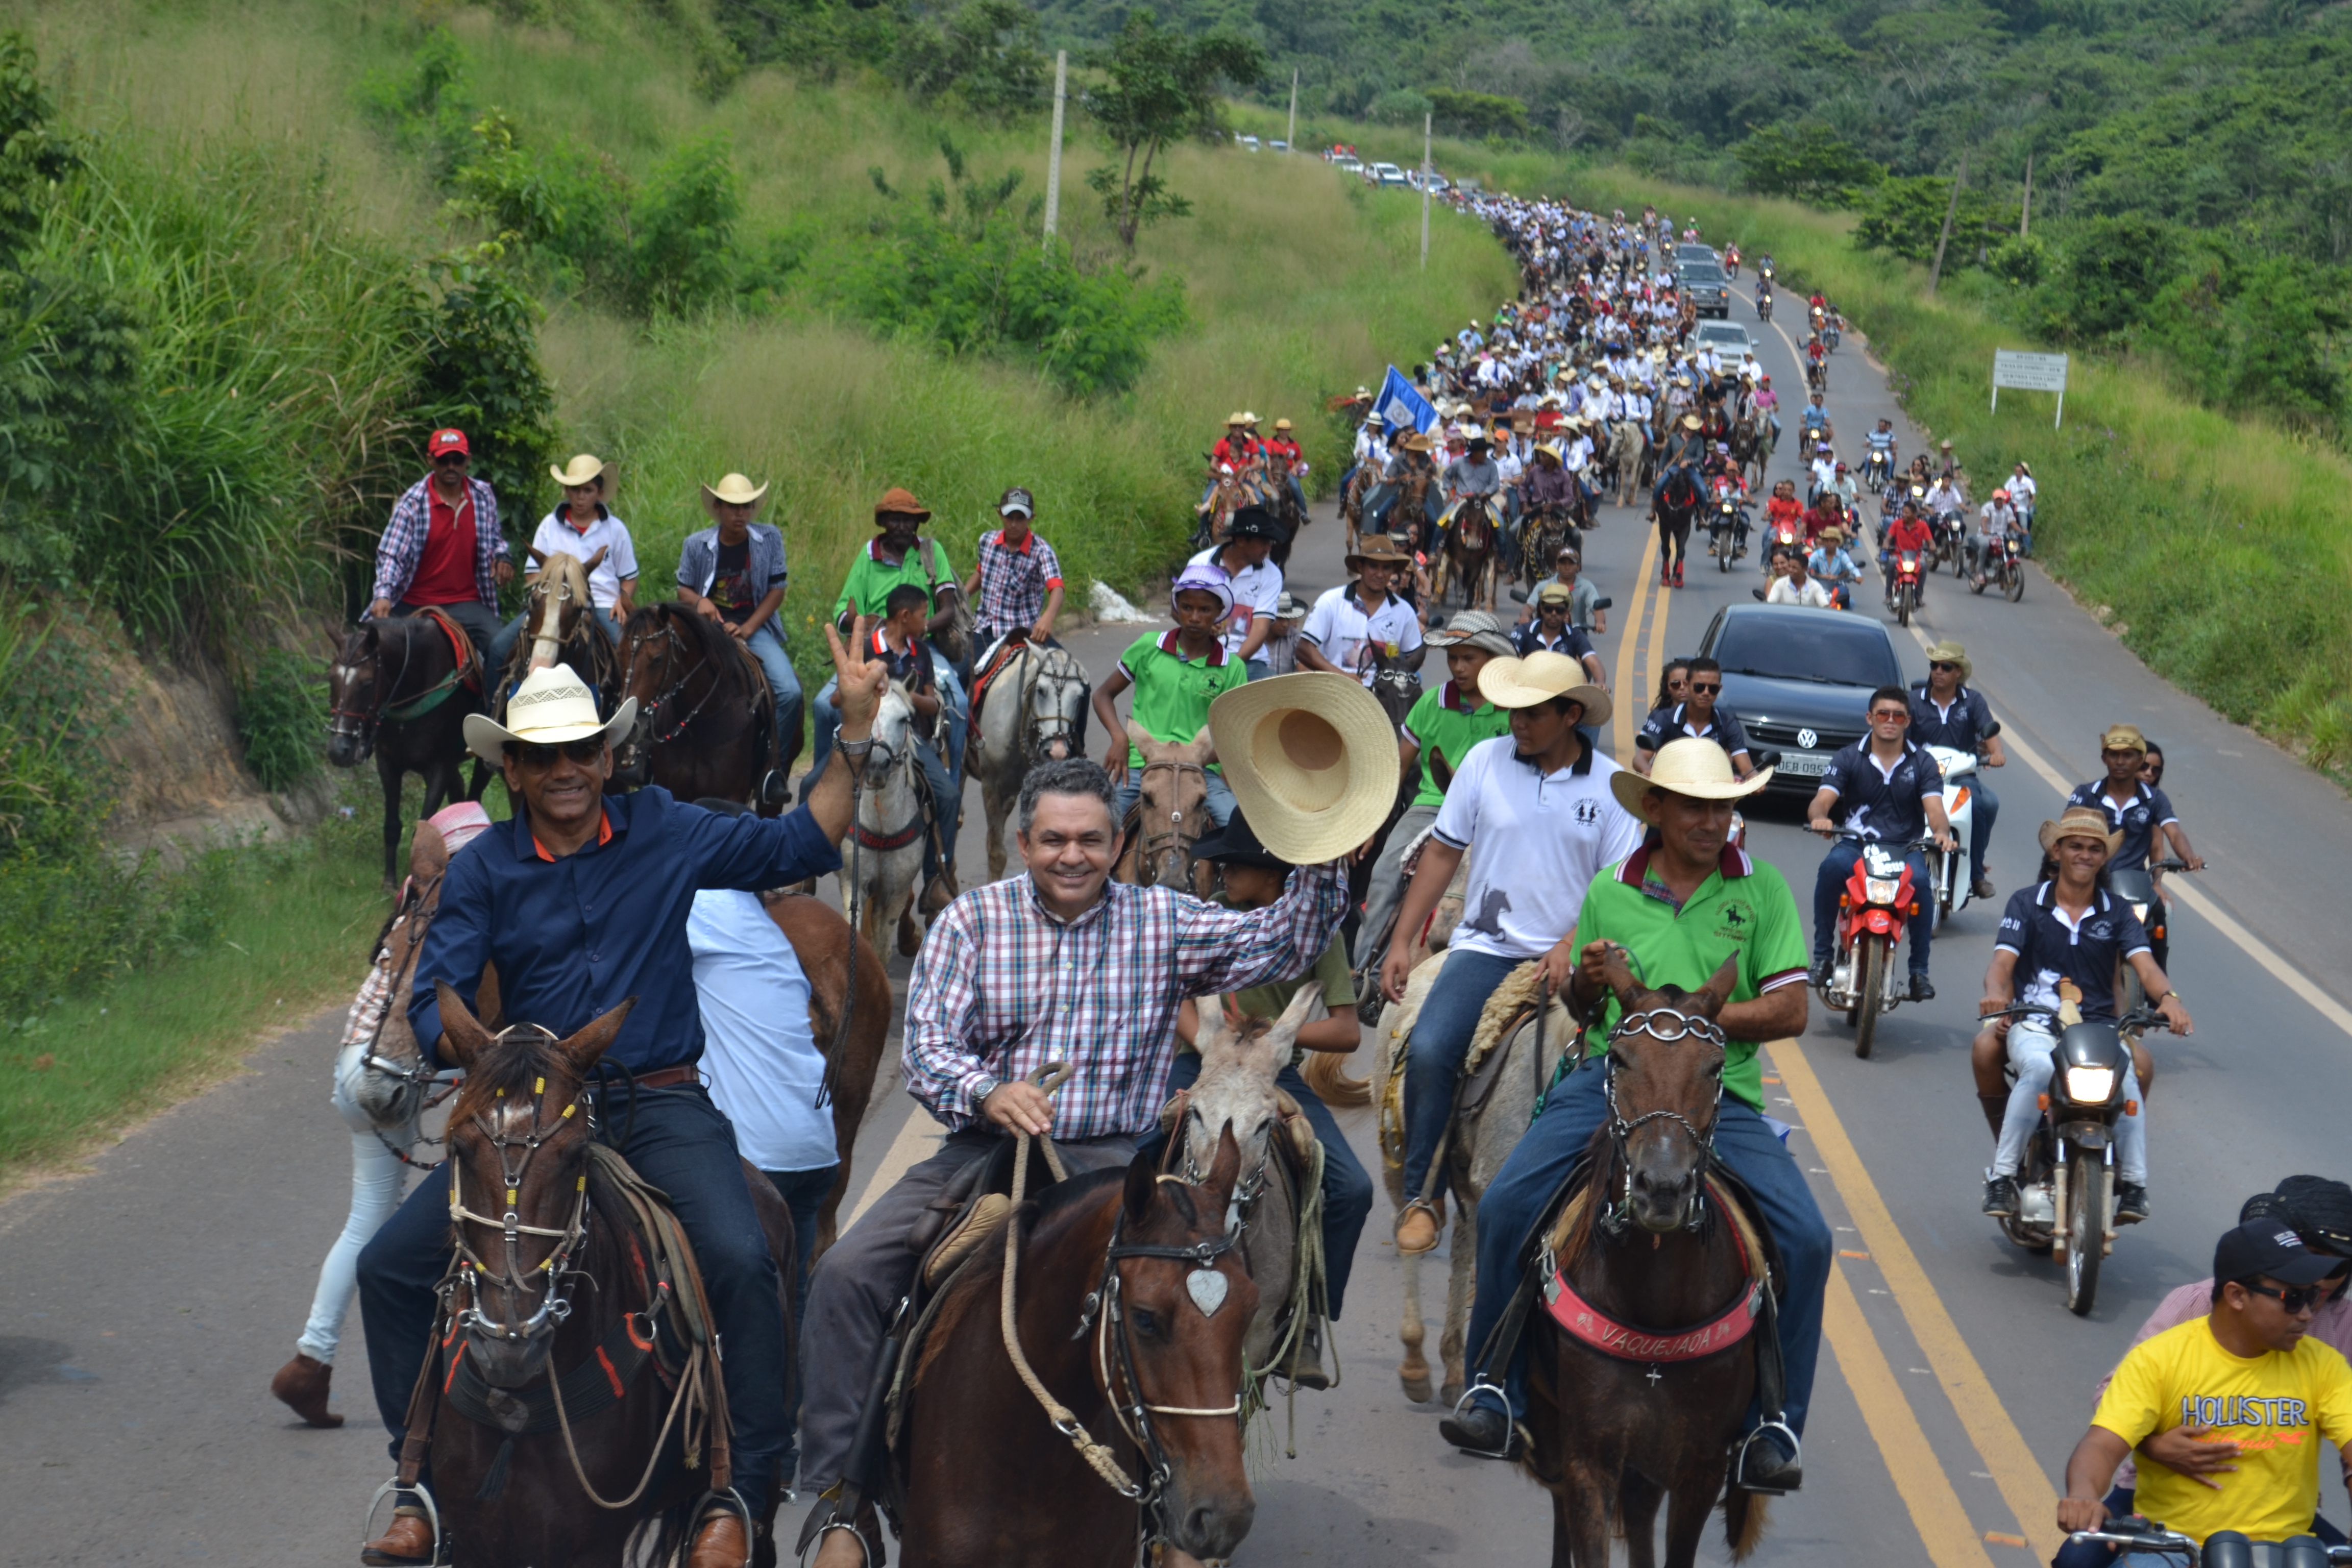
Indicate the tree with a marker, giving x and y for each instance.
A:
(1479, 114)
(1808, 161)
(1160, 86)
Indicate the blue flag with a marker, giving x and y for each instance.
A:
(1399, 403)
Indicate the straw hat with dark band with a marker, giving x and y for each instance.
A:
(553, 706)
(2080, 822)
(1376, 547)
(584, 469)
(1691, 767)
(1311, 760)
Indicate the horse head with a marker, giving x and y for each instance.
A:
(1665, 1085)
(1234, 1093)
(518, 1149)
(894, 737)
(1056, 708)
(662, 649)
(1173, 806)
(355, 688)
(559, 597)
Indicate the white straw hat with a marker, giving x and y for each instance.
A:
(1693, 766)
(734, 490)
(551, 707)
(1311, 760)
(1540, 677)
(584, 469)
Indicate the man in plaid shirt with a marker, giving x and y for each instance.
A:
(1018, 582)
(1056, 965)
(444, 547)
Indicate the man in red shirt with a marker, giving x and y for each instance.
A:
(1907, 532)
(1827, 512)
(1237, 450)
(1284, 445)
(444, 546)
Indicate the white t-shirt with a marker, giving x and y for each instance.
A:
(759, 1054)
(1343, 634)
(1784, 591)
(1543, 838)
(1256, 590)
(607, 533)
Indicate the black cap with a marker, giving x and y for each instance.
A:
(2321, 1209)
(2268, 1246)
(1251, 522)
(1236, 845)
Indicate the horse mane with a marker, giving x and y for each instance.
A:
(720, 652)
(512, 1061)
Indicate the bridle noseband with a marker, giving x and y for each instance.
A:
(1174, 833)
(472, 1271)
(1614, 1217)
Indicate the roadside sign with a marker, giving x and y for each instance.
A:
(2029, 372)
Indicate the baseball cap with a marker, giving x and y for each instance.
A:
(2270, 1246)
(1016, 499)
(447, 441)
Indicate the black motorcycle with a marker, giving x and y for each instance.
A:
(1726, 531)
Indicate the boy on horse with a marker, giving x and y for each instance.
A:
(443, 550)
(1679, 905)
(734, 573)
(896, 555)
(582, 901)
(1176, 675)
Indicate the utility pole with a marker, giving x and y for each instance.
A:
(1426, 120)
(1936, 273)
(2025, 211)
(1290, 143)
(1054, 154)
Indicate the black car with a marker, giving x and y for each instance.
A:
(1800, 683)
(1708, 289)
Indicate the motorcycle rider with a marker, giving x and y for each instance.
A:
(1890, 789)
(1795, 587)
(1815, 419)
(1835, 567)
(1908, 532)
(1996, 520)
(1946, 711)
(2135, 809)
(2068, 929)
(1883, 449)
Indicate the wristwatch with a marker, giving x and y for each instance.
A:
(981, 1090)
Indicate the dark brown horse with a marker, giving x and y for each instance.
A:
(1129, 1306)
(1649, 1242)
(704, 715)
(554, 1436)
(1168, 817)
(400, 693)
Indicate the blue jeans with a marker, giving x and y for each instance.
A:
(1347, 1188)
(804, 1192)
(1830, 881)
(1434, 1054)
(1259, 668)
(1220, 803)
(769, 649)
(958, 715)
(681, 1142)
(1572, 1112)
(502, 647)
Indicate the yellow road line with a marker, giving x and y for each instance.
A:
(1628, 701)
(1999, 1443)
(1919, 1479)
(1661, 600)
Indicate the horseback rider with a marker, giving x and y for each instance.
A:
(584, 528)
(1679, 905)
(443, 548)
(734, 573)
(1540, 801)
(1176, 674)
(1058, 965)
(1354, 625)
(1285, 446)
(1256, 583)
(581, 904)
(900, 554)
(1016, 581)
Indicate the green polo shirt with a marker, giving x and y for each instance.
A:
(871, 579)
(1172, 693)
(1744, 908)
(1438, 723)
(1272, 999)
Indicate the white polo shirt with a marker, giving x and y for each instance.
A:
(1256, 591)
(1543, 838)
(607, 533)
(1343, 633)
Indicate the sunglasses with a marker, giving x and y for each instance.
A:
(1709, 687)
(2294, 1299)
(1889, 716)
(583, 751)
(1939, 664)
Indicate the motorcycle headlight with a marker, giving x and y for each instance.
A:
(1880, 890)
(2090, 1086)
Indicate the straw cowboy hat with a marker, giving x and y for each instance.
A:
(734, 490)
(1236, 417)
(1377, 547)
(1948, 652)
(1473, 629)
(2081, 822)
(1539, 678)
(1692, 766)
(551, 707)
(584, 469)
(1311, 760)
(1418, 441)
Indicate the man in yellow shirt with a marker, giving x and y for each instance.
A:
(2248, 1374)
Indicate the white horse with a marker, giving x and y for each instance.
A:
(1034, 712)
(882, 857)
(1488, 1118)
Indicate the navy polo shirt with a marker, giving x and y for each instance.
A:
(1889, 807)
(1572, 641)
(2136, 819)
(2050, 948)
(1967, 725)
(1665, 725)
(575, 937)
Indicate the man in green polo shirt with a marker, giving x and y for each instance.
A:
(900, 553)
(1680, 905)
(1176, 675)
(1437, 733)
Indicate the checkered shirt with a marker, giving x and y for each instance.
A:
(1002, 988)
(403, 547)
(1014, 583)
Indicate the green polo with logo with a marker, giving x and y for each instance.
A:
(1172, 693)
(868, 586)
(1744, 909)
(1442, 727)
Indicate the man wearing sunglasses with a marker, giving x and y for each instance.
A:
(2250, 1370)
(1893, 793)
(582, 901)
(1695, 717)
(1946, 711)
(444, 547)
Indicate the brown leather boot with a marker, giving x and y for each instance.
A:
(409, 1540)
(301, 1386)
(720, 1544)
(1418, 1226)
(1996, 1109)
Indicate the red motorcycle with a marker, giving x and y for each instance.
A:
(1786, 538)
(1878, 900)
(1907, 567)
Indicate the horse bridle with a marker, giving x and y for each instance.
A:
(372, 720)
(559, 597)
(472, 1270)
(1614, 1217)
(651, 712)
(1040, 731)
(1174, 833)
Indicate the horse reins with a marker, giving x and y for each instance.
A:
(671, 642)
(1174, 833)
(1615, 1217)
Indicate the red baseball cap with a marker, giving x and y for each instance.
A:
(447, 441)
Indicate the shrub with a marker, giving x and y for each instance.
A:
(480, 370)
(281, 711)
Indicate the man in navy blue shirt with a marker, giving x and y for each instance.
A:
(1946, 711)
(2135, 809)
(1893, 793)
(582, 901)
(1698, 718)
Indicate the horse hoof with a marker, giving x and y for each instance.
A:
(1416, 1389)
(1450, 1394)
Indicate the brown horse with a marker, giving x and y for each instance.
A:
(401, 692)
(1648, 1240)
(558, 628)
(1746, 449)
(552, 1439)
(1120, 1296)
(1472, 530)
(1169, 817)
(824, 943)
(704, 715)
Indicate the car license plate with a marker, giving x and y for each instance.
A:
(1806, 765)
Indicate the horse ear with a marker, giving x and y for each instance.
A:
(538, 556)
(1140, 739)
(1213, 1037)
(1202, 748)
(596, 560)
(586, 1047)
(1142, 1183)
(1709, 1000)
(463, 1037)
(428, 853)
(1227, 1167)
(1621, 980)
(1283, 1034)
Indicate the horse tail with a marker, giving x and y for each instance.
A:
(1326, 1074)
(1745, 1514)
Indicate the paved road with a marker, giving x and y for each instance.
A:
(143, 1307)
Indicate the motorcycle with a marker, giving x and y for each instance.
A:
(1877, 468)
(1832, 332)
(1950, 530)
(1726, 531)
(1954, 886)
(1879, 899)
(1906, 585)
(1787, 538)
(1764, 306)
(2003, 567)
(2136, 885)
(2066, 1181)
(1765, 272)
(1731, 261)
(2223, 1549)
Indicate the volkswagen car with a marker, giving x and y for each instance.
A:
(1800, 683)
